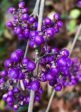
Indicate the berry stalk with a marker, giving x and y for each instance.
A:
(72, 47)
(36, 9)
(32, 93)
(75, 39)
(26, 50)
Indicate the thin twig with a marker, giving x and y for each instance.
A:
(26, 50)
(36, 9)
(72, 47)
(22, 85)
(75, 39)
(25, 54)
(41, 11)
(40, 18)
(50, 101)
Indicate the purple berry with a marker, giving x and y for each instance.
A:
(56, 16)
(50, 32)
(31, 19)
(35, 85)
(8, 63)
(49, 76)
(47, 21)
(11, 10)
(4, 73)
(38, 40)
(13, 73)
(61, 62)
(21, 5)
(60, 24)
(58, 87)
(25, 17)
(31, 66)
(9, 24)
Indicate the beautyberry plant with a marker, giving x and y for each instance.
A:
(21, 73)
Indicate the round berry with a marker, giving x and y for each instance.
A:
(25, 17)
(38, 40)
(31, 66)
(8, 63)
(13, 73)
(9, 24)
(21, 5)
(58, 87)
(35, 85)
(4, 73)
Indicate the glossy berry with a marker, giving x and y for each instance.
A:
(9, 99)
(16, 90)
(60, 24)
(25, 17)
(49, 76)
(58, 87)
(8, 63)
(31, 19)
(50, 32)
(9, 24)
(31, 66)
(18, 30)
(13, 73)
(25, 10)
(54, 71)
(38, 40)
(35, 85)
(26, 33)
(11, 10)
(21, 5)
(4, 73)
(61, 61)
(17, 55)
(56, 16)
(64, 52)
(25, 61)
(47, 21)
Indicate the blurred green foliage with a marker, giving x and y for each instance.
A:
(4, 4)
(24, 108)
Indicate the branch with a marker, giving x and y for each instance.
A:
(32, 93)
(26, 50)
(36, 9)
(72, 46)
(50, 101)
(75, 39)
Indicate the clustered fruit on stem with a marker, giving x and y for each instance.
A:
(56, 66)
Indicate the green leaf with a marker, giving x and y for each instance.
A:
(24, 108)
(75, 13)
(72, 25)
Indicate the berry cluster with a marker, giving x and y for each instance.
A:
(18, 78)
(59, 69)
(56, 67)
(25, 26)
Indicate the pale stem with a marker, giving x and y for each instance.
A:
(26, 50)
(22, 85)
(40, 17)
(72, 47)
(50, 101)
(75, 38)
(41, 11)
(36, 9)
(31, 102)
